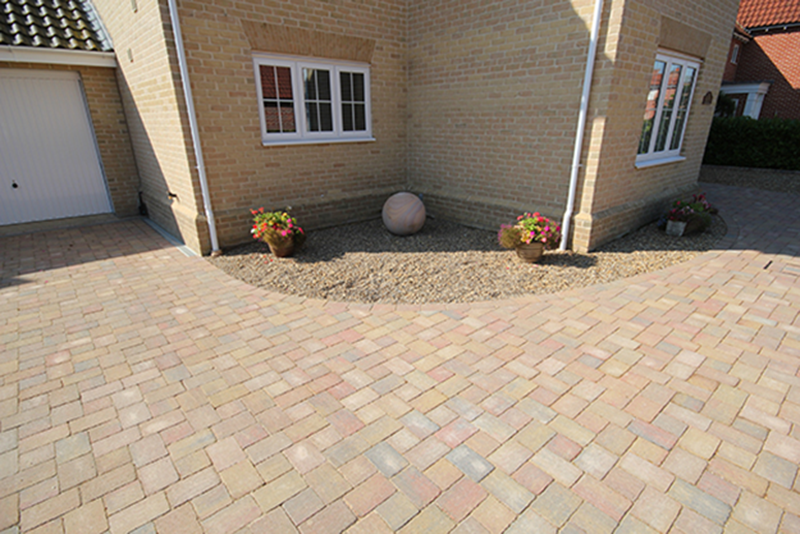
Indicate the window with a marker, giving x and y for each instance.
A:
(735, 54)
(311, 101)
(668, 102)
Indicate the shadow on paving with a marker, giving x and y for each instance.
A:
(21, 255)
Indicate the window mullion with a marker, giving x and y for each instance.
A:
(688, 107)
(676, 104)
(659, 108)
(336, 101)
(300, 99)
(278, 99)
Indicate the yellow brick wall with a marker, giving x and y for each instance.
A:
(150, 86)
(615, 196)
(324, 184)
(110, 128)
(494, 93)
(474, 105)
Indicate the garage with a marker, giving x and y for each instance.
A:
(50, 166)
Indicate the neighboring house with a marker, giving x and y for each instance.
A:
(64, 144)
(330, 107)
(763, 69)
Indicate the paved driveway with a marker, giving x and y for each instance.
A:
(143, 390)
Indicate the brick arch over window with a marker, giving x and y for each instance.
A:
(680, 37)
(277, 39)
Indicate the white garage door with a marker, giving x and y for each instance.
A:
(49, 164)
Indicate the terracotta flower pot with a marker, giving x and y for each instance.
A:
(281, 251)
(531, 252)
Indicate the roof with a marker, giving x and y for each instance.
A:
(60, 24)
(741, 33)
(761, 13)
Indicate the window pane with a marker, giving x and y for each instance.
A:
(319, 111)
(361, 117)
(358, 87)
(680, 117)
(347, 117)
(650, 108)
(312, 118)
(276, 88)
(268, 81)
(323, 84)
(354, 116)
(284, 75)
(325, 117)
(347, 91)
(310, 79)
(272, 117)
(668, 107)
(287, 117)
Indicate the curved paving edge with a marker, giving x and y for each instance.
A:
(141, 390)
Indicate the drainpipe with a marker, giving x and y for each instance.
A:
(576, 153)
(198, 151)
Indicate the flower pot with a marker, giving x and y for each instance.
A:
(694, 225)
(676, 228)
(281, 251)
(531, 252)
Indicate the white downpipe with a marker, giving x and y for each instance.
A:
(576, 153)
(198, 151)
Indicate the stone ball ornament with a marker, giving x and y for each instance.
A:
(404, 214)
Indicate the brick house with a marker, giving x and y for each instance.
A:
(330, 107)
(64, 145)
(762, 72)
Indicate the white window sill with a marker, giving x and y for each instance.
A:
(318, 141)
(661, 161)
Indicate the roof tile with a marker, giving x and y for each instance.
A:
(760, 13)
(68, 24)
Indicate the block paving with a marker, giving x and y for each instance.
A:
(142, 390)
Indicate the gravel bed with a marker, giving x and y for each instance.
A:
(447, 263)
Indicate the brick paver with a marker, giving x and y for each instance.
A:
(145, 391)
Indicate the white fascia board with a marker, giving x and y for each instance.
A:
(57, 56)
(746, 88)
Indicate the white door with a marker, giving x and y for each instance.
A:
(49, 164)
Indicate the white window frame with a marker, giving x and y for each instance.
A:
(302, 135)
(651, 157)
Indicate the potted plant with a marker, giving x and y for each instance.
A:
(279, 230)
(677, 218)
(689, 217)
(532, 234)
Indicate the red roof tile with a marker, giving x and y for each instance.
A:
(758, 13)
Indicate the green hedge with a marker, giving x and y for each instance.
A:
(746, 142)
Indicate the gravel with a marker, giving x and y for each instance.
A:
(447, 263)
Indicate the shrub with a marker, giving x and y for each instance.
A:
(746, 142)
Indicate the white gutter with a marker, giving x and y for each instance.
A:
(57, 56)
(198, 151)
(576, 154)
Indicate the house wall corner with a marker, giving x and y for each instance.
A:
(149, 83)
